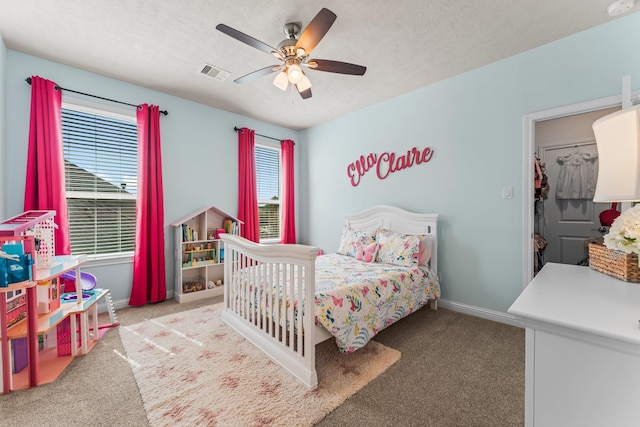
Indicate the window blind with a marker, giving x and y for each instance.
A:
(100, 156)
(268, 185)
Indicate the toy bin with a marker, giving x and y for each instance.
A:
(14, 265)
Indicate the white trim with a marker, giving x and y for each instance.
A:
(267, 143)
(96, 108)
(528, 152)
(496, 316)
(100, 195)
(117, 305)
(101, 260)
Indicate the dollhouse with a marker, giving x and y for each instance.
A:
(42, 329)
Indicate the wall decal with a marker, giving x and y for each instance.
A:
(386, 163)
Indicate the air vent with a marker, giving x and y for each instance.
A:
(214, 72)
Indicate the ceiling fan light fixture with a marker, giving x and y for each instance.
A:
(293, 53)
(295, 73)
(281, 81)
(304, 84)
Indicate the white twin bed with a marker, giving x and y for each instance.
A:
(385, 269)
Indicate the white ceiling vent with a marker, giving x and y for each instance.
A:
(215, 72)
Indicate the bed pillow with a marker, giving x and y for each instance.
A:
(398, 249)
(366, 253)
(424, 254)
(351, 236)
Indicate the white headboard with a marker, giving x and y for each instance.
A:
(399, 221)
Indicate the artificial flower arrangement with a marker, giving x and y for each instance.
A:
(624, 234)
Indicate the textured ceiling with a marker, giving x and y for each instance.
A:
(405, 45)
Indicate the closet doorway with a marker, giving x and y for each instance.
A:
(567, 216)
(546, 134)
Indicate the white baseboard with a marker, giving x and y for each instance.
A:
(496, 316)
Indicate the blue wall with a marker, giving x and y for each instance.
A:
(198, 150)
(3, 61)
(474, 123)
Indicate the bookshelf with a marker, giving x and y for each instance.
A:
(199, 253)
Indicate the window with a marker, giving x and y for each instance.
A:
(101, 168)
(268, 183)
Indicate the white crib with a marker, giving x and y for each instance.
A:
(265, 285)
(256, 277)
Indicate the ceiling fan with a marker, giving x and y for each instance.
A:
(293, 52)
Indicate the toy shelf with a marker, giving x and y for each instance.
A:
(78, 318)
(199, 253)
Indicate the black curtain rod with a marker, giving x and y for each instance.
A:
(28, 80)
(237, 129)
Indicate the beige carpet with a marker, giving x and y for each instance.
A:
(193, 369)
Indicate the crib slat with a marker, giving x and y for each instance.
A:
(289, 302)
(298, 307)
(245, 290)
(277, 300)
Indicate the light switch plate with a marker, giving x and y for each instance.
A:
(507, 192)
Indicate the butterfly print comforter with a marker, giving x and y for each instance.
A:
(355, 300)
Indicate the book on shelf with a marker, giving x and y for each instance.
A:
(230, 226)
(188, 233)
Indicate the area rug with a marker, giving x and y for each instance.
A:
(193, 369)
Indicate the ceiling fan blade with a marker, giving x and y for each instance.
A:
(305, 93)
(336, 67)
(316, 30)
(245, 38)
(258, 73)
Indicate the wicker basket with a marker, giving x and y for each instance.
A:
(614, 263)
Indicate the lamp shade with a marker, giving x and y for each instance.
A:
(281, 81)
(304, 84)
(618, 141)
(295, 73)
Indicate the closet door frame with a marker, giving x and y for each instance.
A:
(529, 122)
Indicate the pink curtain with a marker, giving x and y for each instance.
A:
(247, 187)
(288, 194)
(44, 185)
(149, 282)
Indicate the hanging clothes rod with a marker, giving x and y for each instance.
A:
(237, 129)
(28, 80)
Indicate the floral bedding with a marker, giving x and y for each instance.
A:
(355, 300)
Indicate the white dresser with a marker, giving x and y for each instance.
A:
(582, 348)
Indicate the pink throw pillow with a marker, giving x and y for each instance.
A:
(424, 254)
(366, 253)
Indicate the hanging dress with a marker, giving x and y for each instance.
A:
(578, 175)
